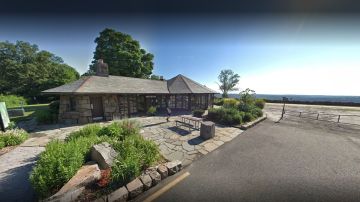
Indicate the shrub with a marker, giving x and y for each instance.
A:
(135, 154)
(113, 130)
(46, 117)
(256, 112)
(12, 125)
(230, 102)
(248, 117)
(198, 113)
(59, 162)
(89, 130)
(129, 127)
(247, 96)
(227, 116)
(12, 100)
(151, 111)
(2, 143)
(13, 137)
(260, 103)
(218, 101)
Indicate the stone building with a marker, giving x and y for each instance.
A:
(106, 97)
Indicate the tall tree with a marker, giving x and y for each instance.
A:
(123, 54)
(228, 81)
(26, 71)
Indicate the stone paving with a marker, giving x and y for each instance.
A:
(177, 143)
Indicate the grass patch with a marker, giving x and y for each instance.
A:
(31, 111)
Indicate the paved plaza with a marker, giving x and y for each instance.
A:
(177, 143)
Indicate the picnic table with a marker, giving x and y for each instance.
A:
(190, 122)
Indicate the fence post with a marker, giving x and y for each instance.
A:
(317, 118)
(339, 119)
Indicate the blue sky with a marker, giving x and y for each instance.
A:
(297, 54)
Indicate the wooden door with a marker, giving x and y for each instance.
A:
(97, 107)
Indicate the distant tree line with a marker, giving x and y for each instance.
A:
(26, 71)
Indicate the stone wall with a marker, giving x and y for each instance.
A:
(111, 107)
(84, 108)
(81, 115)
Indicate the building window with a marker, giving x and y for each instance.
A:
(72, 104)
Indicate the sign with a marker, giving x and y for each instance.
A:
(4, 117)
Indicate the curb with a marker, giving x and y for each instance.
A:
(253, 123)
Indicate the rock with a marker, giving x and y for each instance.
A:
(146, 180)
(173, 166)
(86, 175)
(103, 154)
(119, 195)
(163, 171)
(68, 196)
(207, 130)
(101, 199)
(155, 177)
(135, 188)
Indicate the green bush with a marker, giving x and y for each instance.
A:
(12, 100)
(2, 143)
(89, 130)
(46, 117)
(135, 154)
(230, 102)
(129, 127)
(256, 112)
(260, 103)
(198, 113)
(113, 130)
(59, 162)
(13, 137)
(227, 116)
(12, 125)
(218, 101)
(248, 117)
(151, 111)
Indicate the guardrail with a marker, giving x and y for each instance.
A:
(350, 119)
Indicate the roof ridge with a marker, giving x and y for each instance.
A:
(199, 84)
(81, 85)
(137, 78)
(187, 85)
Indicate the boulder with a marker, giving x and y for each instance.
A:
(207, 130)
(173, 166)
(87, 174)
(135, 188)
(103, 154)
(163, 171)
(146, 180)
(68, 196)
(119, 195)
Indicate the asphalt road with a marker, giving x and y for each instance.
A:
(295, 160)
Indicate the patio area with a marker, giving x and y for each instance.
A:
(177, 143)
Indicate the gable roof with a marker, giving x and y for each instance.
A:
(182, 84)
(129, 85)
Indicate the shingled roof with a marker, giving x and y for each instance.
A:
(129, 85)
(181, 84)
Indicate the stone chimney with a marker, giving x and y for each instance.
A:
(102, 68)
